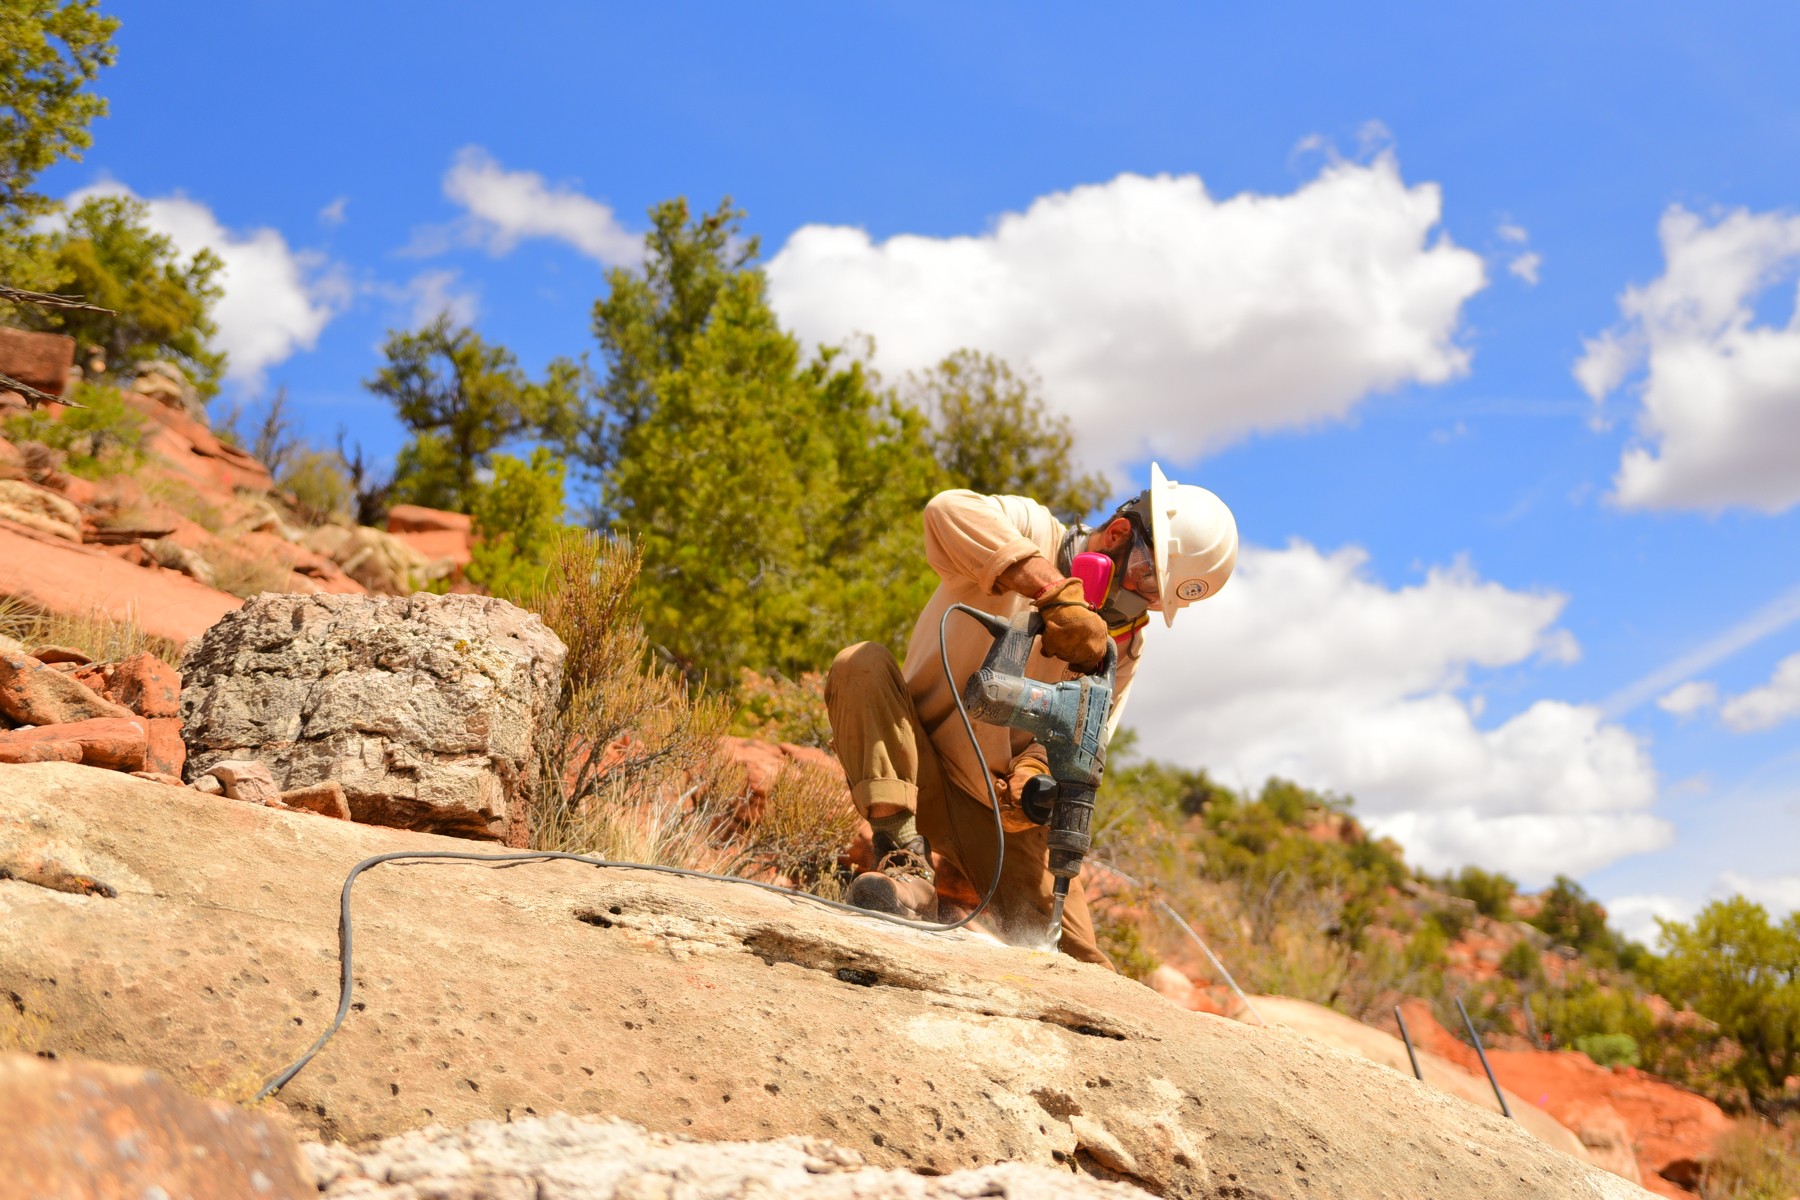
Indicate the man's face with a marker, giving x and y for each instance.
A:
(1139, 574)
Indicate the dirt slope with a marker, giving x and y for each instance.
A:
(690, 1007)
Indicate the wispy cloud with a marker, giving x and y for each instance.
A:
(505, 207)
(1771, 618)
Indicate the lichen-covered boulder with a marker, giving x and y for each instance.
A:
(424, 708)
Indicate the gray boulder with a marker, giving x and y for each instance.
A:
(425, 708)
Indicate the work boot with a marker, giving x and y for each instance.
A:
(903, 881)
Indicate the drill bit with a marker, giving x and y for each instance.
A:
(1054, 937)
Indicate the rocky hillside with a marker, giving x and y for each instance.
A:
(212, 705)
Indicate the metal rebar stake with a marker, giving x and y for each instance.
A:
(1482, 1054)
(1407, 1038)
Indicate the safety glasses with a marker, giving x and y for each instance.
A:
(1139, 574)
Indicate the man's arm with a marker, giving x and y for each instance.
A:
(1029, 576)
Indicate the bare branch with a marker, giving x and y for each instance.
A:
(32, 396)
(50, 300)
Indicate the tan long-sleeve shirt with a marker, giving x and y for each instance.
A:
(970, 541)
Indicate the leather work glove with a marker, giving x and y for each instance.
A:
(1073, 631)
(1010, 787)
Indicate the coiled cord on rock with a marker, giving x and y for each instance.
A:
(345, 959)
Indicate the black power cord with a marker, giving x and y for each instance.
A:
(346, 983)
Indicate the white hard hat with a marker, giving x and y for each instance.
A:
(1195, 539)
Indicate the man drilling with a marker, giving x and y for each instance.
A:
(912, 772)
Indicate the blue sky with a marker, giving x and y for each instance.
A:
(1349, 287)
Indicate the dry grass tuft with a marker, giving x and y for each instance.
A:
(626, 759)
(806, 822)
(629, 766)
(101, 637)
(1755, 1161)
(246, 575)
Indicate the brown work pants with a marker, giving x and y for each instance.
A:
(889, 759)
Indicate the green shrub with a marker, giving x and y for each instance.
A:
(1523, 963)
(517, 514)
(777, 709)
(104, 437)
(319, 486)
(1452, 919)
(1492, 892)
(1120, 939)
(1610, 1049)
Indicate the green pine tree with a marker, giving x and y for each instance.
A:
(108, 254)
(463, 399)
(993, 432)
(775, 495)
(49, 53)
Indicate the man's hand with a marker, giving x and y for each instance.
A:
(1073, 631)
(1010, 787)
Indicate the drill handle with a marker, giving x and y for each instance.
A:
(1012, 640)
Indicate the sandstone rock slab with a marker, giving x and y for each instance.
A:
(425, 708)
(380, 562)
(56, 576)
(39, 508)
(118, 744)
(692, 1007)
(327, 799)
(144, 683)
(573, 1158)
(37, 746)
(31, 693)
(416, 518)
(166, 752)
(89, 1129)
(246, 780)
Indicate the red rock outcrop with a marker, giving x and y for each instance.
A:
(94, 1130)
(81, 580)
(32, 693)
(1664, 1124)
(38, 360)
(434, 533)
(119, 744)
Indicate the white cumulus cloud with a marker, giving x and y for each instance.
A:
(1635, 916)
(1780, 894)
(1769, 705)
(1307, 668)
(277, 300)
(1160, 317)
(1689, 698)
(1720, 390)
(505, 207)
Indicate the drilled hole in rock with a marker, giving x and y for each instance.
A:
(857, 976)
(589, 917)
(1096, 1031)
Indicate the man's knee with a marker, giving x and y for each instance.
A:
(858, 666)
